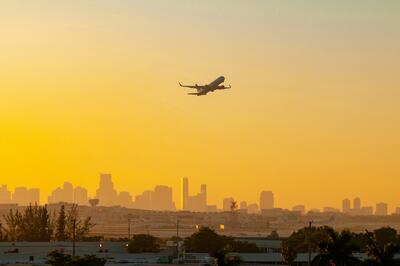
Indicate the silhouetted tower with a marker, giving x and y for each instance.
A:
(357, 203)
(266, 200)
(185, 193)
(346, 205)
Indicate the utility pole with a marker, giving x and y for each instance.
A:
(129, 229)
(73, 237)
(309, 242)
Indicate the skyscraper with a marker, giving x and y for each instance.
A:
(81, 196)
(381, 209)
(125, 199)
(346, 206)
(227, 203)
(357, 203)
(197, 202)
(266, 200)
(64, 194)
(5, 195)
(106, 193)
(25, 197)
(184, 193)
(162, 199)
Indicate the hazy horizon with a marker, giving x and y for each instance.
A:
(313, 114)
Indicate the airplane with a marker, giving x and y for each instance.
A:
(204, 89)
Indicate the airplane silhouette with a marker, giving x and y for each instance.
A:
(204, 89)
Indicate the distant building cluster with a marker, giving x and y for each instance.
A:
(161, 198)
(22, 196)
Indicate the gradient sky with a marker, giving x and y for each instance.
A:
(313, 115)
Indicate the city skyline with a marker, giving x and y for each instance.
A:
(161, 197)
(93, 86)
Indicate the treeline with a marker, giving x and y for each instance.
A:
(37, 224)
(338, 248)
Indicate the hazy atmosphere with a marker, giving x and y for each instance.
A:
(88, 87)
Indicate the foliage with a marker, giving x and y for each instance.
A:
(32, 225)
(289, 254)
(61, 223)
(206, 240)
(381, 253)
(337, 250)
(35, 224)
(56, 258)
(144, 243)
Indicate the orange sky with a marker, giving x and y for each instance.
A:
(313, 115)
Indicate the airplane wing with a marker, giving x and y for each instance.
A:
(224, 87)
(189, 86)
(194, 93)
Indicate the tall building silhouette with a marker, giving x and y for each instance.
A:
(5, 195)
(266, 200)
(227, 203)
(381, 209)
(162, 199)
(106, 193)
(243, 205)
(252, 208)
(184, 193)
(64, 194)
(346, 205)
(196, 202)
(81, 196)
(24, 197)
(143, 201)
(125, 199)
(357, 203)
(159, 199)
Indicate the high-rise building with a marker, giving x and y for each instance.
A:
(381, 209)
(243, 205)
(397, 212)
(252, 208)
(106, 193)
(196, 202)
(5, 195)
(299, 208)
(346, 205)
(25, 197)
(125, 199)
(81, 196)
(162, 199)
(357, 203)
(184, 193)
(227, 203)
(266, 200)
(64, 194)
(143, 201)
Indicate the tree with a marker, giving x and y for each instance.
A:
(144, 243)
(381, 253)
(338, 250)
(206, 240)
(385, 235)
(298, 240)
(289, 254)
(61, 223)
(56, 258)
(82, 228)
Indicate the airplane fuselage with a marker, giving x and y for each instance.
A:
(204, 89)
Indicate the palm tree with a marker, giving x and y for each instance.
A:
(381, 254)
(337, 250)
